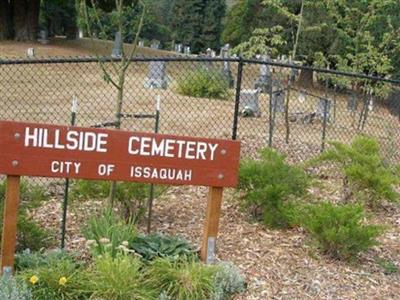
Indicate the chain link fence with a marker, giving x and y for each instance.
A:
(294, 109)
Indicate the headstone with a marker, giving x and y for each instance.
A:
(186, 50)
(249, 103)
(371, 104)
(157, 78)
(117, 49)
(43, 36)
(226, 71)
(80, 33)
(321, 108)
(278, 101)
(352, 103)
(155, 45)
(30, 52)
(294, 73)
(209, 54)
(178, 48)
(141, 43)
(302, 97)
(264, 81)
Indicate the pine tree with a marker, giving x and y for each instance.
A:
(187, 22)
(214, 11)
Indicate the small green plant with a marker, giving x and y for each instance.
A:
(339, 231)
(30, 234)
(364, 171)
(228, 281)
(28, 259)
(205, 84)
(158, 245)
(387, 266)
(118, 278)
(58, 279)
(11, 289)
(270, 186)
(107, 232)
(182, 280)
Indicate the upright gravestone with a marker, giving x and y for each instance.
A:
(352, 103)
(117, 49)
(44, 36)
(209, 54)
(141, 43)
(30, 52)
(302, 97)
(186, 50)
(80, 33)
(178, 48)
(278, 101)
(249, 103)
(324, 104)
(264, 81)
(226, 71)
(157, 78)
(155, 45)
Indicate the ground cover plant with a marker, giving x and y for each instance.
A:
(12, 289)
(157, 245)
(204, 83)
(271, 187)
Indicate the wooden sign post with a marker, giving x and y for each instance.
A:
(29, 149)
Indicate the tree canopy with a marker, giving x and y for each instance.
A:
(350, 35)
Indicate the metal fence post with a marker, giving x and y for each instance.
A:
(325, 121)
(237, 98)
(74, 110)
(272, 109)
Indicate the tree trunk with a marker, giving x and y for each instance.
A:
(5, 20)
(26, 19)
(306, 79)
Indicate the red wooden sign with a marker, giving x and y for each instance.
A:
(72, 152)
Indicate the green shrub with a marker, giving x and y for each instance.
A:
(30, 235)
(31, 195)
(108, 232)
(228, 281)
(131, 197)
(158, 245)
(182, 280)
(118, 278)
(89, 189)
(270, 186)
(58, 279)
(364, 170)
(204, 83)
(339, 230)
(11, 289)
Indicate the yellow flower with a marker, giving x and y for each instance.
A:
(62, 281)
(34, 279)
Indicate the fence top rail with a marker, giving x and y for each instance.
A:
(93, 59)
